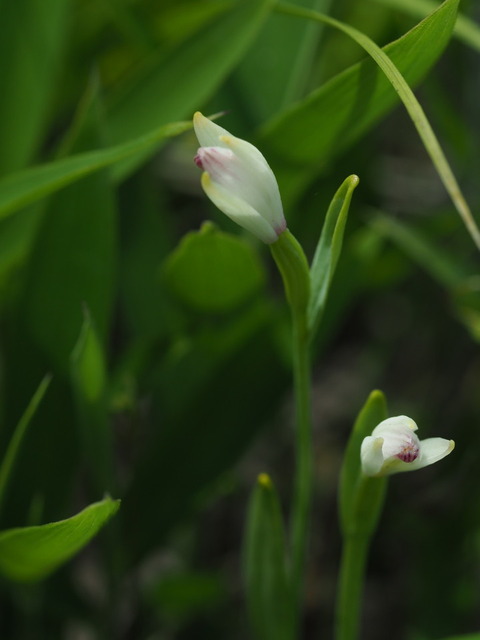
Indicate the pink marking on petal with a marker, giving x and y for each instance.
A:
(198, 161)
(409, 453)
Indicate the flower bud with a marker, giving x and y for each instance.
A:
(238, 180)
(394, 447)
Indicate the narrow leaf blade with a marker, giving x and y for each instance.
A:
(371, 414)
(18, 436)
(24, 187)
(328, 250)
(268, 593)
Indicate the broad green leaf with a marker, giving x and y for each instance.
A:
(18, 436)
(73, 264)
(410, 102)
(181, 82)
(371, 414)
(89, 377)
(34, 33)
(213, 271)
(466, 30)
(302, 139)
(328, 250)
(274, 72)
(269, 596)
(20, 189)
(31, 553)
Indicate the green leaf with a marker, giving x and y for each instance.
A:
(269, 597)
(89, 377)
(466, 30)
(445, 15)
(182, 81)
(302, 139)
(18, 436)
(328, 250)
(274, 72)
(31, 553)
(31, 47)
(88, 363)
(371, 414)
(73, 264)
(74, 257)
(213, 271)
(20, 189)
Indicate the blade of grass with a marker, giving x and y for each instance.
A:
(18, 436)
(410, 102)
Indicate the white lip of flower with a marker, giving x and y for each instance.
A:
(238, 180)
(394, 447)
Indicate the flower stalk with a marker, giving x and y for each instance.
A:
(293, 266)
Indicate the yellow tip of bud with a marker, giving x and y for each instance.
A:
(264, 480)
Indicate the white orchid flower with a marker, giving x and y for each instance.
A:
(238, 180)
(394, 447)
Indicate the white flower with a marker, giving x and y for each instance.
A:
(238, 180)
(394, 447)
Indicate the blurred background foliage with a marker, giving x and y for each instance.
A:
(168, 338)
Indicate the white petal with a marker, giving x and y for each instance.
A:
(371, 455)
(238, 210)
(432, 450)
(207, 132)
(259, 175)
(232, 172)
(397, 421)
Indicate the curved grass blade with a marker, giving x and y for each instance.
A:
(409, 100)
(18, 436)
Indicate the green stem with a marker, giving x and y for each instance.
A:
(349, 596)
(303, 488)
(293, 266)
(359, 525)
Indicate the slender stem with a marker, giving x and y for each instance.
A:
(358, 529)
(352, 569)
(293, 266)
(304, 455)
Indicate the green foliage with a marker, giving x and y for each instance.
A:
(212, 271)
(168, 338)
(266, 576)
(335, 115)
(31, 553)
(18, 436)
(328, 250)
(351, 481)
